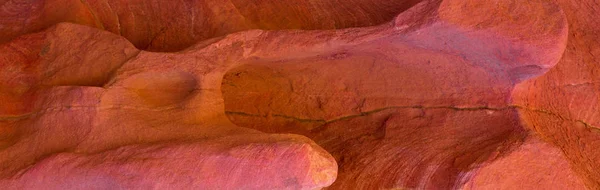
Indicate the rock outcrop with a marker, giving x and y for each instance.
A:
(265, 94)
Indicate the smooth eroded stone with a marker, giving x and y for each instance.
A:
(306, 94)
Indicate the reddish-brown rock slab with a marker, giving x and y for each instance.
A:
(426, 100)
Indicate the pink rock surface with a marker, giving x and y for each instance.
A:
(533, 165)
(249, 162)
(431, 94)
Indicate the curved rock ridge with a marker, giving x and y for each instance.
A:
(265, 94)
(85, 113)
(245, 161)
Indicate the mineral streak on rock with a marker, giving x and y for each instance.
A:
(306, 94)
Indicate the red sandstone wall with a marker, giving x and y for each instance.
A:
(265, 94)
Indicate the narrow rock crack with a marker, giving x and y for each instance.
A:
(320, 121)
(479, 108)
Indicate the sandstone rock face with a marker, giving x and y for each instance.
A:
(265, 94)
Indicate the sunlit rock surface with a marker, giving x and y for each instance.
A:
(266, 94)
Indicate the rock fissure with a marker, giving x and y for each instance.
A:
(116, 14)
(324, 121)
(96, 19)
(372, 112)
(479, 108)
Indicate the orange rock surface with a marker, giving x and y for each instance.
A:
(307, 94)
